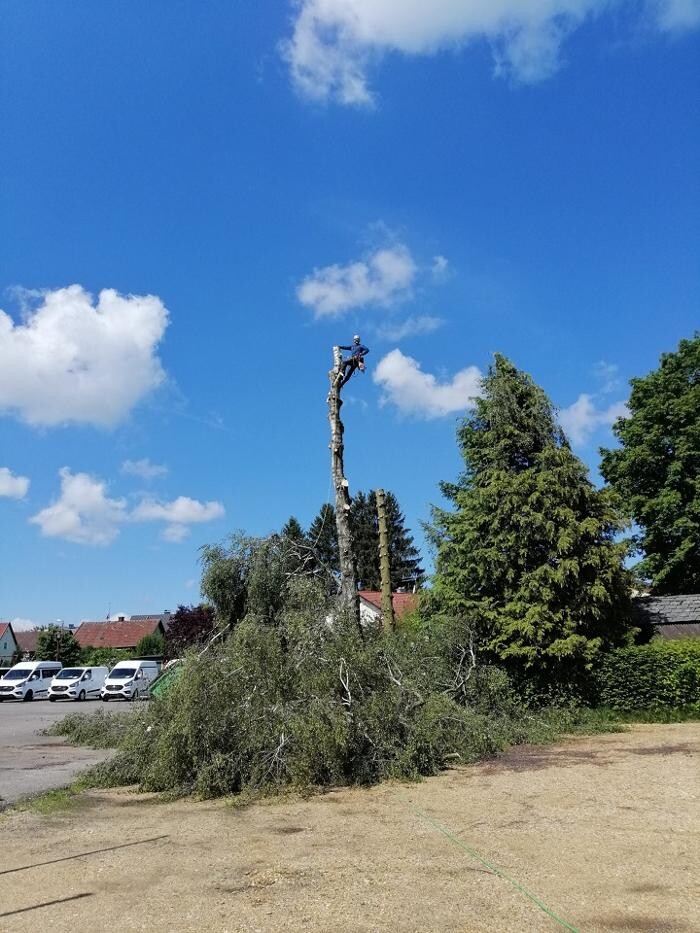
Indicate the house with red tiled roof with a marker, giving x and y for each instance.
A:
(26, 643)
(371, 605)
(124, 633)
(8, 644)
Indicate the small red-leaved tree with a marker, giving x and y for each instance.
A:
(189, 625)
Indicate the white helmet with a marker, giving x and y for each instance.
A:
(356, 338)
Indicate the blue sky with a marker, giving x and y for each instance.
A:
(198, 200)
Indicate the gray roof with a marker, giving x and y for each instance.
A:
(669, 610)
(670, 616)
(163, 617)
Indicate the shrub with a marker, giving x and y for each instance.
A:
(151, 645)
(104, 657)
(661, 674)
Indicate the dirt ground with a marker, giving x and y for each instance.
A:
(602, 832)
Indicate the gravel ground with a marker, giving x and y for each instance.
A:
(31, 763)
(604, 832)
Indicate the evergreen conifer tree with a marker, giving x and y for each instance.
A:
(529, 553)
(294, 531)
(323, 539)
(406, 570)
(297, 545)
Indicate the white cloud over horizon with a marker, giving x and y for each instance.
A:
(382, 278)
(144, 468)
(23, 625)
(335, 43)
(414, 392)
(71, 360)
(582, 418)
(11, 485)
(83, 513)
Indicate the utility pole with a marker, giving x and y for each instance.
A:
(388, 620)
(349, 598)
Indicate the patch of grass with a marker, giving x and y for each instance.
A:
(53, 802)
(663, 714)
(100, 729)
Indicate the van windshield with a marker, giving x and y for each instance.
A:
(17, 675)
(69, 673)
(123, 673)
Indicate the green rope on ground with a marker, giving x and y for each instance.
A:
(494, 868)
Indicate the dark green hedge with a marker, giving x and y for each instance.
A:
(653, 676)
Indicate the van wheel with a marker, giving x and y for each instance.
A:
(81, 695)
(135, 696)
(104, 699)
(28, 696)
(52, 699)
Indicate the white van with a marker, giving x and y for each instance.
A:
(28, 680)
(130, 680)
(78, 683)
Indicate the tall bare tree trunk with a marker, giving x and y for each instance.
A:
(349, 598)
(388, 620)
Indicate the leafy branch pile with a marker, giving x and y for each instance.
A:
(302, 703)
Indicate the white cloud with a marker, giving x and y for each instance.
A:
(418, 393)
(11, 486)
(71, 360)
(175, 533)
(83, 513)
(178, 514)
(383, 278)
(334, 42)
(439, 267)
(676, 15)
(144, 468)
(582, 418)
(411, 327)
(607, 375)
(23, 625)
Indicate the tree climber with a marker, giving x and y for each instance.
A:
(356, 360)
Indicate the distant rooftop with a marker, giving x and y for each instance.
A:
(671, 616)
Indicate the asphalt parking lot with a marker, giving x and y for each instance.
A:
(31, 763)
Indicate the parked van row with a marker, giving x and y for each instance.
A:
(32, 680)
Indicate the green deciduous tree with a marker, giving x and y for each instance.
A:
(529, 552)
(55, 643)
(226, 569)
(250, 577)
(150, 645)
(656, 470)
